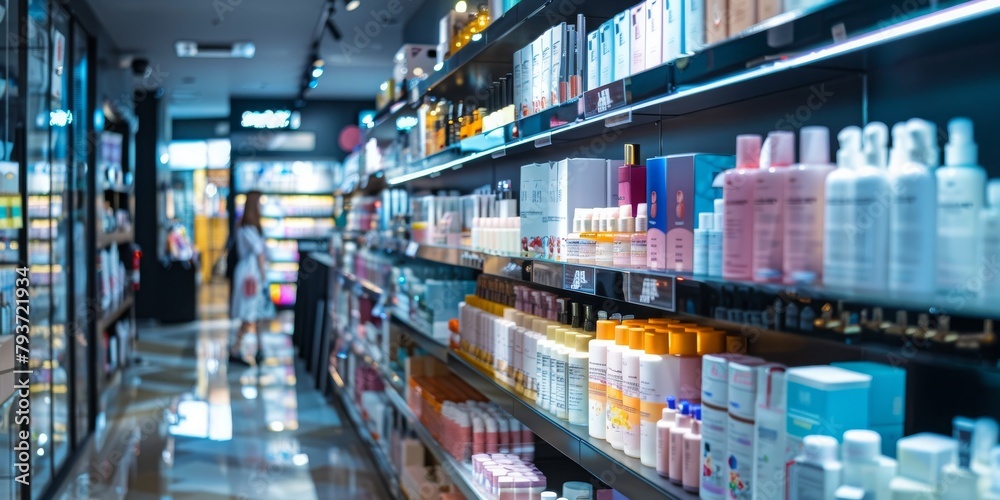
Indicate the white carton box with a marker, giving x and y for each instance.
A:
(638, 27)
(607, 34)
(654, 32)
(623, 46)
(593, 60)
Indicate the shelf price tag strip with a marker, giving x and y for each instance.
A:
(652, 290)
(605, 98)
(580, 279)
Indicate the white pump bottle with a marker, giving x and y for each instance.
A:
(838, 213)
(961, 185)
(913, 212)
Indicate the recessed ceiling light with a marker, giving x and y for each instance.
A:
(353, 4)
(236, 50)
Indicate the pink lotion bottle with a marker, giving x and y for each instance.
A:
(677, 434)
(638, 240)
(777, 154)
(805, 200)
(691, 468)
(663, 426)
(737, 194)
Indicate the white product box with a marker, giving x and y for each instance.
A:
(534, 206)
(412, 56)
(575, 183)
(518, 77)
(717, 18)
(546, 71)
(558, 55)
(654, 32)
(694, 26)
(527, 59)
(536, 74)
(593, 60)
(622, 46)
(638, 28)
(673, 30)
(606, 34)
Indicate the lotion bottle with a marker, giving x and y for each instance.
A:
(839, 215)
(771, 449)
(598, 374)
(864, 465)
(588, 236)
(616, 414)
(691, 468)
(638, 239)
(677, 432)
(777, 154)
(573, 238)
(667, 421)
(816, 473)
(991, 486)
(653, 373)
(715, 239)
(868, 236)
(631, 434)
(961, 184)
(560, 378)
(737, 193)
(805, 193)
(912, 210)
(622, 256)
(606, 237)
(578, 378)
(989, 237)
(631, 180)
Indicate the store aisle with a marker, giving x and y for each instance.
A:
(192, 427)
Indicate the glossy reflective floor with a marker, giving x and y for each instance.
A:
(186, 425)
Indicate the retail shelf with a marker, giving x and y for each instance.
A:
(287, 193)
(365, 284)
(382, 462)
(384, 125)
(419, 337)
(949, 28)
(113, 315)
(460, 473)
(391, 378)
(612, 466)
(117, 237)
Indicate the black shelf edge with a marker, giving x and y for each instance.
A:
(286, 193)
(460, 474)
(114, 315)
(424, 341)
(598, 457)
(365, 284)
(376, 451)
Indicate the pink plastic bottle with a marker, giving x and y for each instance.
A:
(677, 434)
(691, 468)
(663, 426)
(737, 193)
(805, 200)
(776, 155)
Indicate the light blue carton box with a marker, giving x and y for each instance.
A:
(886, 400)
(825, 400)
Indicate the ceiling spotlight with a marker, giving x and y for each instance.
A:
(352, 4)
(461, 6)
(317, 72)
(313, 84)
(318, 63)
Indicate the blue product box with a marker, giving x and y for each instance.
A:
(826, 400)
(886, 401)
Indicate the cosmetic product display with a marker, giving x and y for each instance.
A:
(547, 69)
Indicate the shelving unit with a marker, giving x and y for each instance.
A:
(865, 60)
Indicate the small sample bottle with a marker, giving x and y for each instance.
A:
(701, 244)
(587, 251)
(816, 472)
(622, 256)
(865, 467)
(715, 239)
(691, 468)
(663, 426)
(638, 238)
(606, 237)
(680, 428)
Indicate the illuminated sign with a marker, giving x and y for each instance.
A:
(271, 119)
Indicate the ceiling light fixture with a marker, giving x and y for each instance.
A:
(317, 72)
(236, 50)
(333, 29)
(352, 4)
(461, 6)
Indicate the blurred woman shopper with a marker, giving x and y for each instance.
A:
(250, 303)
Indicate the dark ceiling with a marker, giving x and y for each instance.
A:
(282, 31)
